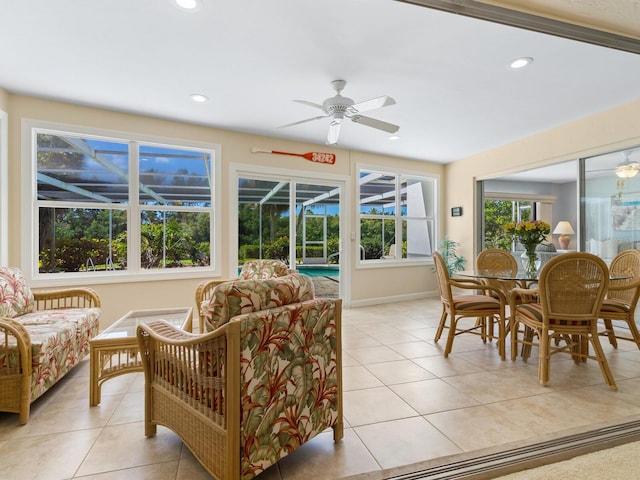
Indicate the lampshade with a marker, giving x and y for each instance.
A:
(564, 228)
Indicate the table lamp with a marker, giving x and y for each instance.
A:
(564, 229)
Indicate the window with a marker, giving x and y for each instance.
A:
(123, 205)
(497, 213)
(396, 216)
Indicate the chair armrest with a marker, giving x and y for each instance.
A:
(164, 331)
(626, 286)
(477, 285)
(192, 367)
(11, 328)
(66, 298)
(465, 283)
(525, 291)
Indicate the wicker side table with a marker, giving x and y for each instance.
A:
(115, 351)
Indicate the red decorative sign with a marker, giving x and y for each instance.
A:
(317, 157)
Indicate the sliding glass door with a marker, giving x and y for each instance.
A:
(611, 203)
(295, 220)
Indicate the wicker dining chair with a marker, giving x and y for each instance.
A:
(497, 260)
(485, 308)
(571, 289)
(622, 297)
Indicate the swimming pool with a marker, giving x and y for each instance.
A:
(319, 270)
(315, 270)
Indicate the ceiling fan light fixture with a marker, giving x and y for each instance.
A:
(520, 62)
(627, 170)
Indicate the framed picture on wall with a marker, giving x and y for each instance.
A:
(625, 212)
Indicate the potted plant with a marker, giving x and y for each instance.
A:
(453, 261)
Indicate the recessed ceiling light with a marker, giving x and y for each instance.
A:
(520, 62)
(188, 4)
(199, 98)
(394, 137)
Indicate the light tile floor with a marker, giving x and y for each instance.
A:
(404, 404)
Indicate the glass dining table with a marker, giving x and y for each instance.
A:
(522, 280)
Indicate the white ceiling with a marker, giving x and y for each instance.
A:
(454, 94)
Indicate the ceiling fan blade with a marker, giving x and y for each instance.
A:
(303, 121)
(334, 131)
(311, 104)
(379, 124)
(379, 102)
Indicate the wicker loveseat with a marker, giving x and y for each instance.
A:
(43, 334)
(266, 380)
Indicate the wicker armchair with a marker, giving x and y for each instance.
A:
(251, 270)
(486, 308)
(266, 380)
(571, 289)
(622, 297)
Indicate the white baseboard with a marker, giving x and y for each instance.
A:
(392, 299)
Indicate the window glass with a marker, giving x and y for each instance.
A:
(174, 177)
(397, 216)
(611, 202)
(77, 169)
(86, 193)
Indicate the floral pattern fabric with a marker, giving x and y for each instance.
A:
(243, 296)
(59, 340)
(59, 337)
(263, 269)
(289, 380)
(16, 298)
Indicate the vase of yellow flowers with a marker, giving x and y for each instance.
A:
(530, 233)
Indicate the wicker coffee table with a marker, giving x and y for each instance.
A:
(115, 351)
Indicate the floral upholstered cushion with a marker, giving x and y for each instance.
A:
(59, 340)
(289, 379)
(262, 269)
(86, 320)
(243, 296)
(16, 297)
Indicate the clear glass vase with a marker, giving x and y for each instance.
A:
(530, 260)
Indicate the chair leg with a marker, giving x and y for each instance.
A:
(502, 336)
(443, 319)
(514, 339)
(602, 359)
(338, 431)
(608, 331)
(450, 336)
(528, 339)
(634, 329)
(544, 358)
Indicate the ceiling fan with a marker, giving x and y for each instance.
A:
(338, 108)
(627, 169)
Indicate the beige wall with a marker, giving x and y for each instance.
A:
(613, 129)
(367, 286)
(4, 99)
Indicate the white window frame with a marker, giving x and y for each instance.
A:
(29, 258)
(398, 217)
